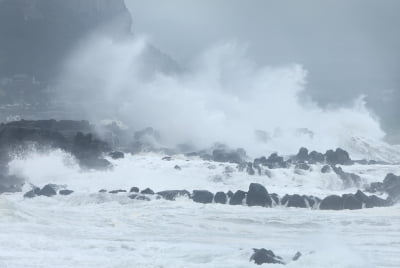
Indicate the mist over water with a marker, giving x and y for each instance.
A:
(222, 96)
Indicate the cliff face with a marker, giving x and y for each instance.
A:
(35, 35)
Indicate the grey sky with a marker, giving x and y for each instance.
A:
(348, 47)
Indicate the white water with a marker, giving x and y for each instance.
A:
(223, 96)
(89, 229)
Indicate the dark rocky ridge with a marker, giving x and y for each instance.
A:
(257, 195)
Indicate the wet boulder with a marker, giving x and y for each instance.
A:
(375, 187)
(147, 191)
(258, 196)
(351, 202)
(349, 179)
(202, 196)
(302, 155)
(338, 157)
(250, 169)
(117, 191)
(65, 192)
(374, 201)
(220, 198)
(391, 184)
(172, 195)
(326, 169)
(139, 197)
(48, 190)
(238, 198)
(302, 166)
(116, 155)
(177, 167)
(32, 193)
(296, 201)
(229, 156)
(134, 190)
(261, 256)
(275, 198)
(332, 202)
(315, 157)
(230, 194)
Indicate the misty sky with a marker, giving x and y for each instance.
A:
(348, 47)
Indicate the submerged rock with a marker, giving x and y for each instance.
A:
(66, 192)
(173, 194)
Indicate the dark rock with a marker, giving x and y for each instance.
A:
(177, 167)
(374, 201)
(230, 194)
(103, 191)
(349, 179)
(117, 191)
(167, 158)
(326, 169)
(275, 198)
(261, 256)
(220, 198)
(296, 256)
(391, 184)
(147, 191)
(296, 201)
(139, 197)
(250, 169)
(134, 190)
(237, 198)
(375, 187)
(66, 192)
(48, 190)
(351, 202)
(258, 196)
(332, 202)
(223, 155)
(302, 166)
(173, 194)
(32, 193)
(116, 155)
(285, 199)
(95, 163)
(302, 155)
(310, 200)
(338, 157)
(363, 198)
(201, 196)
(316, 157)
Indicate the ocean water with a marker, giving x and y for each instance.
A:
(91, 229)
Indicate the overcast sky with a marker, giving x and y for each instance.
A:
(349, 47)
